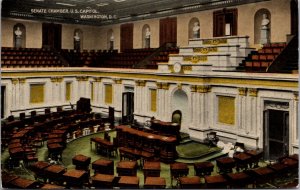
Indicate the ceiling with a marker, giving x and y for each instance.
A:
(103, 12)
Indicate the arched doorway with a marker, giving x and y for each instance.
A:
(180, 105)
(194, 28)
(78, 39)
(258, 18)
(19, 32)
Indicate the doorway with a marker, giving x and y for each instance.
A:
(127, 107)
(225, 22)
(3, 88)
(51, 34)
(276, 138)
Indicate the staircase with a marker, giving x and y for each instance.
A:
(259, 61)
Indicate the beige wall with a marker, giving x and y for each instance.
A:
(96, 37)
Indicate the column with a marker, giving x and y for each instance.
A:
(117, 94)
(159, 100)
(56, 91)
(202, 96)
(253, 116)
(23, 103)
(165, 115)
(82, 86)
(97, 90)
(242, 115)
(194, 105)
(15, 94)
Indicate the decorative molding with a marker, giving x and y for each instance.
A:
(214, 41)
(296, 96)
(269, 104)
(187, 68)
(195, 59)
(82, 78)
(98, 79)
(205, 50)
(193, 88)
(56, 79)
(203, 88)
(140, 83)
(14, 81)
(22, 80)
(171, 68)
(253, 92)
(165, 86)
(118, 81)
(179, 86)
(242, 91)
(159, 85)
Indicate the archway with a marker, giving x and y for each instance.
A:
(258, 17)
(180, 105)
(19, 33)
(110, 39)
(194, 28)
(78, 39)
(146, 36)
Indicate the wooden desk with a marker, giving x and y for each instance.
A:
(242, 160)
(203, 168)
(129, 182)
(165, 127)
(54, 149)
(103, 166)
(103, 181)
(178, 170)
(239, 180)
(39, 169)
(22, 183)
(81, 162)
(55, 173)
(190, 182)
(14, 145)
(50, 186)
(294, 157)
(215, 182)
(103, 146)
(262, 175)
(130, 153)
(225, 164)
(151, 169)
(7, 178)
(76, 178)
(256, 155)
(127, 168)
(155, 183)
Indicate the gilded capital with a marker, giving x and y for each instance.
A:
(14, 81)
(118, 81)
(22, 80)
(253, 92)
(203, 88)
(56, 79)
(296, 96)
(98, 79)
(242, 91)
(193, 88)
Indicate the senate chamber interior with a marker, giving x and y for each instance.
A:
(154, 94)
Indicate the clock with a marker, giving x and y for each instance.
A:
(177, 67)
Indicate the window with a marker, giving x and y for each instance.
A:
(108, 94)
(36, 93)
(153, 99)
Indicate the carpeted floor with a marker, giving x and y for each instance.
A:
(82, 146)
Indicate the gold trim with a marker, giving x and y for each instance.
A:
(22, 80)
(171, 68)
(165, 86)
(242, 91)
(14, 81)
(118, 81)
(205, 50)
(296, 96)
(195, 59)
(82, 78)
(187, 68)
(98, 79)
(140, 83)
(56, 79)
(153, 100)
(179, 86)
(253, 92)
(159, 85)
(193, 88)
(203, 88)
(226, 110)
(214, 41)
(178, 78)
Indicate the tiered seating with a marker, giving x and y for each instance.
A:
(128, 58)
(259, 61)
(163, 56)
(29, 57)
(90, 58)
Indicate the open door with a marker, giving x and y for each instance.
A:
(127, 107)
(276, 138)
(2, 101)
